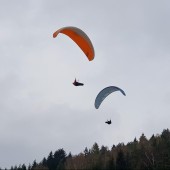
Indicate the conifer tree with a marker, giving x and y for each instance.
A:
(44, 162)
(95, 156)
(59, 157)
(120, 161)
(50, 161)
(34, 164)
(24, 167)
(95, 149)
(86, 151)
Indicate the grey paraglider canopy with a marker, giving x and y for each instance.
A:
(104, 93)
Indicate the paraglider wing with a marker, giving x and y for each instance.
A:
(80, 38)
(104, 93)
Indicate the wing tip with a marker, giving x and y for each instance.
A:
(96, 106)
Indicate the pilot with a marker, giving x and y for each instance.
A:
(108, 122)
(76, 83)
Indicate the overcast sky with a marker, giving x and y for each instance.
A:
(40, 109)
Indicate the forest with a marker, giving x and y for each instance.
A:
(140, 154)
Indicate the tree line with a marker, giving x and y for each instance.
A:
(141, 154)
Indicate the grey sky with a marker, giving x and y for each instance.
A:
(132, 47)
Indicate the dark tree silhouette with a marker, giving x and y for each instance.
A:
(142, 154)
(120, 161)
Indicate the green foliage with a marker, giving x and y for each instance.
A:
(152, 154)
(95, 149)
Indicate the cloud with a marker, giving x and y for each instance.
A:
(40, 108)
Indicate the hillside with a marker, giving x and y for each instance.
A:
(151, 154)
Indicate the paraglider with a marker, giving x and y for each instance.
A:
(85, 44)
(76, 83)
(80, 38)
(104, 93)
(108, 122)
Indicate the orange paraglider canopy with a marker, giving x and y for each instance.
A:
(80, 38)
